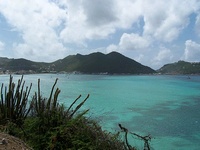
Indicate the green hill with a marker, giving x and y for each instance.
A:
(21, 64)
(112, 63)
(180, 67)
(94, 63)
(16, 65)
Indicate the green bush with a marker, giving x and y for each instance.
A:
(13, 103)
(45, 124)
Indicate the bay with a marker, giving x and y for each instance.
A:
(166, 107)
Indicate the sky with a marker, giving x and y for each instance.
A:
(152, 32)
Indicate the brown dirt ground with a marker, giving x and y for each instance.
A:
(12, 143)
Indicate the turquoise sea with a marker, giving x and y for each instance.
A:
(166, 107)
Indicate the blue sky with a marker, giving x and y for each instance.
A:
(152, 32)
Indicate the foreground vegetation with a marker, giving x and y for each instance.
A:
(45, 124)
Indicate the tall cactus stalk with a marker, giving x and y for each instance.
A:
(13, 105)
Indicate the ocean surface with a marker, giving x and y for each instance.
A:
(166, 107)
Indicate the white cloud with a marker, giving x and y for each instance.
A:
(140, 58)
(128, 12)
(24, 14)
(74, 30)
(133, 42)
(50, 29)
(98, 19)
(164, 55)
(165, 20)
(111, 48)
(192, 51)
(134, 46)
(77, 21)
(38, 22)
(2, 46)
(197, 24)
(99, 12)
(51, 52)
(89, 20)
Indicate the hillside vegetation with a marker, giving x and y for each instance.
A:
(180, 67)
(112, 63)
(95, 63)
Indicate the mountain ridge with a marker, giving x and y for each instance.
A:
(180, 67)
(94, 63)
(102, 63)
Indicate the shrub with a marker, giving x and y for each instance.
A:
(48, 125)
(13, 103)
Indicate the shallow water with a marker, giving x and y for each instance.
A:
(167, 107)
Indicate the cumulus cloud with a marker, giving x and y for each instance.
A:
(128, 12)
(133, 42)
(38, 25)
(197, 24)
(134, 46)
(51, 29)
(74, 29)
(89, 20)
(99, 19)
(112, 48)
(2, 45)
(37, 53)
(165, 21)
(99, 12)
(140, 58)
(192, 51)
(164, 55)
